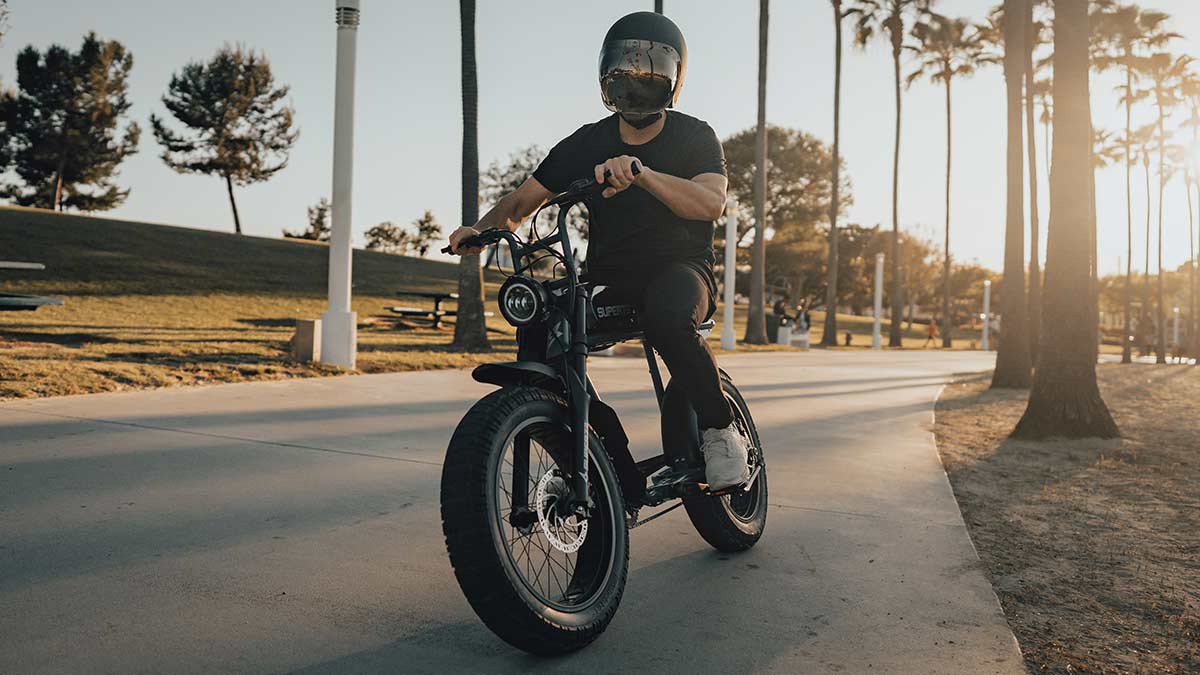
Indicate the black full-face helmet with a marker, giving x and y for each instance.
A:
(642, 64)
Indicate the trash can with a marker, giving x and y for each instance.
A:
(772, 327)
(784, 332)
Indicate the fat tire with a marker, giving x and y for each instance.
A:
(708, 514)
(466, 522)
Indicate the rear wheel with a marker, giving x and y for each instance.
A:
(734, 522)
(543, 580)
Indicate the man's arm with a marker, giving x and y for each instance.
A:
(508, 213)
(701, 198)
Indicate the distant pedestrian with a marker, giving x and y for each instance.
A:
(931, 334)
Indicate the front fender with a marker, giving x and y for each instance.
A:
(520, 372)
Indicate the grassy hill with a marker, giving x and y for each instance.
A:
(153, 305)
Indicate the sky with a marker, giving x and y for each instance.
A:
(537, 83)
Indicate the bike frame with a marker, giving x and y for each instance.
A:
(680, 433)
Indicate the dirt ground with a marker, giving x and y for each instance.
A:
(1093, 547)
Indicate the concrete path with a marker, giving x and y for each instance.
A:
(293, 526)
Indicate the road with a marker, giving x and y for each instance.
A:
(293, 526)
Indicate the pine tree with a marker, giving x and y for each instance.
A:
(236, 123)
(416, 240)
(62, 126)
(318, 223)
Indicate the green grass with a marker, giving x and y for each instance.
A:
(152, 305)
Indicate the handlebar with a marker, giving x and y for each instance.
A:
(581, 190)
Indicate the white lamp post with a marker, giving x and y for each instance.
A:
(1175, 330)
(877, 330)
(987, 311)
(339, 333)
(728, 339)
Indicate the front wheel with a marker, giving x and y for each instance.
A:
(734, 522)
(544, 581)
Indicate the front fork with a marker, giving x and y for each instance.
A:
(580, 400)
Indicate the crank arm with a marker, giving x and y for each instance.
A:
(632, 521)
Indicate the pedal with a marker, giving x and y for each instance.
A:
(734, 489)
(673, 482)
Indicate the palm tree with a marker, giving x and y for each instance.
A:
(1180, 157)
(470, 329)
(829, 335)
(658, 6)
(1122, 32)
(889, 19)
(1041, 94)
(1190, 90)
(1143, 141)
(1013, 360)
(756, 327)
(1035, 36)
(1065, 400)
(1165, 73)
(948, 48)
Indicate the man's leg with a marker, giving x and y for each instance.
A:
(676, 301)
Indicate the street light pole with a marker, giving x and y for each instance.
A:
(339, 331)
(728, 339)
(876, 330)
(1175, 331)
(987, 311)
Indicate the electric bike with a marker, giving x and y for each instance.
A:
(539, 487)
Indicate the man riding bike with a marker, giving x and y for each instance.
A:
(651, 233)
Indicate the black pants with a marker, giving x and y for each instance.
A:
(672, 301)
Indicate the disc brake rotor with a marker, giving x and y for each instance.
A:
(565, 534)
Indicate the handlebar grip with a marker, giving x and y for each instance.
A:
(469, 242)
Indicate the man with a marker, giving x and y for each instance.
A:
(651, 233)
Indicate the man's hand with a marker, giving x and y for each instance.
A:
(460, 234)
(622, 175)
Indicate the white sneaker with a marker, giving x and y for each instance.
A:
(724, 457)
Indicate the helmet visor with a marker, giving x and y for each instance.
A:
(638, 76)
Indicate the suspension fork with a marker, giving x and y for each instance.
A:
(581, 400)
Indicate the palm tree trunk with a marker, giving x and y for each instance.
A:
(894, 332)
(947, 322)
(1188, 337)
(756, 331)
(1147, 307)
(1126, 346)
(1035, 265)
(470, 329)
(1161, 317)
(658, 6)
(829, 335)
(1194, 320)
(237, 221)
(1065, 400)
(1013, 362)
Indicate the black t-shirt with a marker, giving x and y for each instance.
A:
(633, 230)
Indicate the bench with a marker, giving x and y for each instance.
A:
(17, 302)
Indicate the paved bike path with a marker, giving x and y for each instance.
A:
(293, 526)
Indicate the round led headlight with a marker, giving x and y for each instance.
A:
(522, 301)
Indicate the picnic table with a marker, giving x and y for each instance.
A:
(433, 315)
(16, 302)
